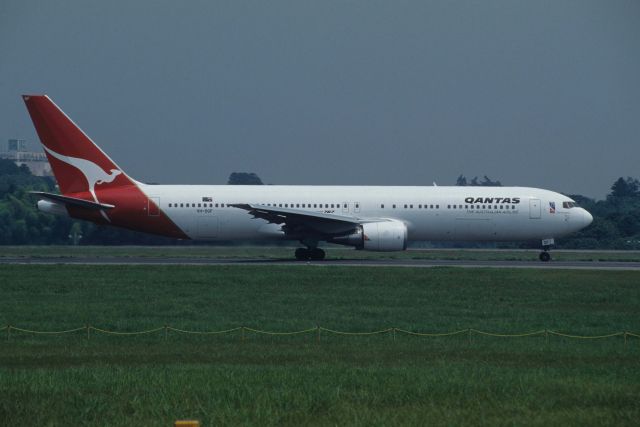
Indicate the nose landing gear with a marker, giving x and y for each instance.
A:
(545, 256)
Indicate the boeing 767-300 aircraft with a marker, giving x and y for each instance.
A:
(380, 218)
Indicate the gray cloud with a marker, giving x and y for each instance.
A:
(540, 93)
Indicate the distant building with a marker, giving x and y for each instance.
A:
(36, 161)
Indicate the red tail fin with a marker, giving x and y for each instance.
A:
(78, 164)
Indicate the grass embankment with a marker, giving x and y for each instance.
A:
(150, 380)
(333, 252)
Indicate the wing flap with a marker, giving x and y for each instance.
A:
(302, 223)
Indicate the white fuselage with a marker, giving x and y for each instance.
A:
(430, 213)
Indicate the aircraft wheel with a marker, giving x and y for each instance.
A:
(302, 254)
(317, 254)
(545, 256)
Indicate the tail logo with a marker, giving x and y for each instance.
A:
(93, 173)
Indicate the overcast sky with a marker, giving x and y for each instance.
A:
(535, 93)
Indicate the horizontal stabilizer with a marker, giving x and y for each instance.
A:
(73, 201)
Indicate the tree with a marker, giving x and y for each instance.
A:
(461, 181)
(244, 178)
(625, 187)
(486, 182)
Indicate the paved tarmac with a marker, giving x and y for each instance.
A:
(415, 263)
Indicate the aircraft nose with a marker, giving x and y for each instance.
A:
(586, 217)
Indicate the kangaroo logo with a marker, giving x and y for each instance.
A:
(93, 173)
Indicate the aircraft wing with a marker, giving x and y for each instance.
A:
(72, 201)
(303, 223)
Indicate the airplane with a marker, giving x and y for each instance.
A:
(371, 218)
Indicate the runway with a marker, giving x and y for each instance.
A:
(407, 263)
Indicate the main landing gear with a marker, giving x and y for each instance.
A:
(310, 254)
(545, 256)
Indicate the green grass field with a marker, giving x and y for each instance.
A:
(345, 380)
(333, 252)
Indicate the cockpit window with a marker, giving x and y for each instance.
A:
(569, 205)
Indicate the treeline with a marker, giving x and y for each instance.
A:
(616, 222)
(475, 182)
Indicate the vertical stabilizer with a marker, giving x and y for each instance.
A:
(78, 164)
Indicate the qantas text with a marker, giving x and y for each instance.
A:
(513, 200)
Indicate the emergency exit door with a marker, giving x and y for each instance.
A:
(534, 208)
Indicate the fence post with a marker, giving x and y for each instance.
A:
(394, 333)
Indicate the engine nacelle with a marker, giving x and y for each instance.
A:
(52, 207)
(386, 236)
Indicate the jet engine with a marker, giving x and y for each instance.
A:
(385, 236)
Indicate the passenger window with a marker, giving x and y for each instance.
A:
(394, 206)
(448, 206)
(382, 206)
(410, 206)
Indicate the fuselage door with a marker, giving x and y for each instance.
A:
(534, 208)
